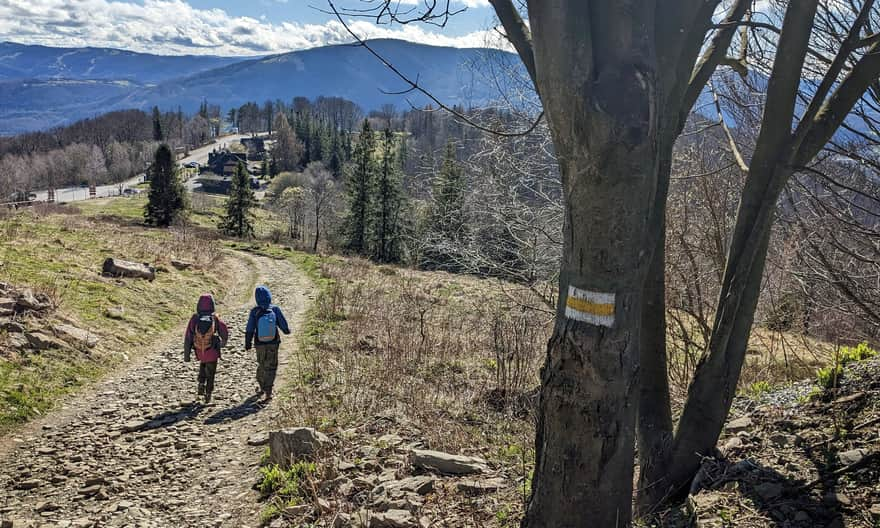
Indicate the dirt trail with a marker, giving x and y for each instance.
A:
(137, 452)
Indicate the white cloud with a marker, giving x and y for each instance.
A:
(175, 27)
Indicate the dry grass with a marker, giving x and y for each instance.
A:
(456, 358)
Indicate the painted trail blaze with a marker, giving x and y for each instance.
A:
(590, 307)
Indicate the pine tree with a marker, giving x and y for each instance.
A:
(386, 222)
(449, 191)
(361, 177)
(167, 197)
(158, 134)
(238, 220)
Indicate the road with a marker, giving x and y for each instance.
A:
(139, 451)
(73, 194)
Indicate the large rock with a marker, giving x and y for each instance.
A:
(181, 265)
(738, 425)
(447, 463)
(125, 268)
(853, 456)
(421, 485)
(291, 444)
(28, 301)
(393, 519)
(41, 341)
(75, 336)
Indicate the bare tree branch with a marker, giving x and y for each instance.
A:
(415, 87)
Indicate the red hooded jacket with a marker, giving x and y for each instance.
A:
(205, 306)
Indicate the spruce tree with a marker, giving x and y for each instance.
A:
(238, 220)
(361, 177)
(447, 216)
(167, 197)
(158, 134)
(386, 222)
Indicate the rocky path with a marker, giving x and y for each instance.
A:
(138, 452)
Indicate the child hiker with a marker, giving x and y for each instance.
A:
(207, 334)
(262, 331)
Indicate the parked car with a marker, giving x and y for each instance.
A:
(193, 164)
(129, 192)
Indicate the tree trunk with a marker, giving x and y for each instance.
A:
(598, 88)
(655, 431)
(711, 393)
(317, 229)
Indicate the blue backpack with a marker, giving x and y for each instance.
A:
(267, 329)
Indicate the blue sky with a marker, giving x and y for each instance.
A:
(227, 27)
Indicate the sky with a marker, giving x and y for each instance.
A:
(227, 27)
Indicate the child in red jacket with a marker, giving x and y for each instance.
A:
(207, 334)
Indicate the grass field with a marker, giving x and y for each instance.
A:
(60, 253)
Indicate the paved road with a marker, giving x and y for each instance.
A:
(138, 452)
(74, 194)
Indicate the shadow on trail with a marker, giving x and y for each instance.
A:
(184, 412)
(246, 408)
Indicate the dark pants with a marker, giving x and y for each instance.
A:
(267, 365)
(206, 375)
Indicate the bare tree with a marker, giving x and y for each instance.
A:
(320, 194)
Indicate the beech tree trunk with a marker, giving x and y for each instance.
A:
(598, 91)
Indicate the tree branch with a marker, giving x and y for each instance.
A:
(518, 34)
(835, 110)
(712, 57)
(737, 155)
(415, 87)
(830, 78)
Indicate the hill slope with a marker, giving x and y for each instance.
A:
(452, 74)
(20, 62)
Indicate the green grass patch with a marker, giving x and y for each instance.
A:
(62, 255)
(284, 487)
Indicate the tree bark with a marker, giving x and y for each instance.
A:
(598, 88)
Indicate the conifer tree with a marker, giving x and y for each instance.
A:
(386, 221)
(167, 197)
(449, 192)
(361, 178)
(158, 134)
(238, 220)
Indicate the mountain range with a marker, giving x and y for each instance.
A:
(42, 87)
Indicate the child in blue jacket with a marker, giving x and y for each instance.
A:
(262, 331)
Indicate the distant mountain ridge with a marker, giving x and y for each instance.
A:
(43, 87)
(21, 62)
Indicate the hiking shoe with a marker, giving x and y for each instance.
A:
(268, 396)
(207, 397)
(201, 389)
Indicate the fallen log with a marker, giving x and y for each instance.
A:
(125, 268)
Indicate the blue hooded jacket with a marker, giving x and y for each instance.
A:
(264, 302)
